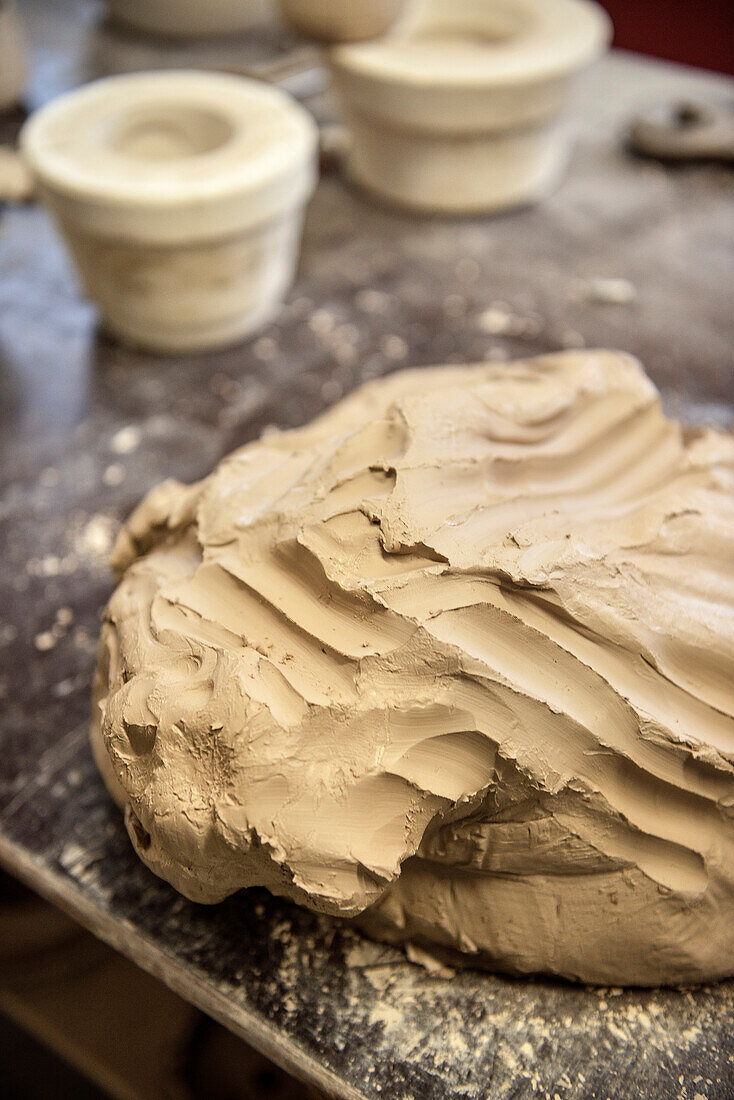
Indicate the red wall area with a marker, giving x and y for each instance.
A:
(696, 32)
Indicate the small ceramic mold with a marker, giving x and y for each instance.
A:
(181, 195)
(13, 61)
(189, 18)
(461, 106)
(341, 20)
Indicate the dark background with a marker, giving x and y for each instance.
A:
(695, 32)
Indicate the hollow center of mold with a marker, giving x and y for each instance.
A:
(169, 131)
(466, 24)
(452, 34)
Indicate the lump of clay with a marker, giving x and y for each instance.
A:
(457, 658)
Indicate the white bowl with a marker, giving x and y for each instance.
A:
(13, 62)
(181, 196)
(341, 20)
(461, 107)
(189, 18)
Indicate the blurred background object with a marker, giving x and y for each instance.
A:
(13, 60)
(16, 184)
(181, 196)
(219, 1066)
(677, 30)
(121, 1030)
(464, 106)
(189, 18)
(688, 131)
(342, 20)
(38, 944)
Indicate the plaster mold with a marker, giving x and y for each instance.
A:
(463, 105)
(181, 196)
(189, 18)
(335, 21)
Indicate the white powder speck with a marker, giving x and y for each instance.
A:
(97, 536)
(613, 292)
(496, 321)
(127, 440)
(265, 349)
(321, 322)
(63, 689)
(64, 616)
(372, 301)
(114, 475)
(394, 347)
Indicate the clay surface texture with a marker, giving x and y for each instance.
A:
(454, 660)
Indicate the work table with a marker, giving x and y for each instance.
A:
(88, 426)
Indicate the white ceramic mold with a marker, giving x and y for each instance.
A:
(189, 18)
(461, 107)
(13, 60)
(341, 20)
(181, 195)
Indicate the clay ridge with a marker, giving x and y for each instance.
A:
(457, 659)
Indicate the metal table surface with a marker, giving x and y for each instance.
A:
(87, 426)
